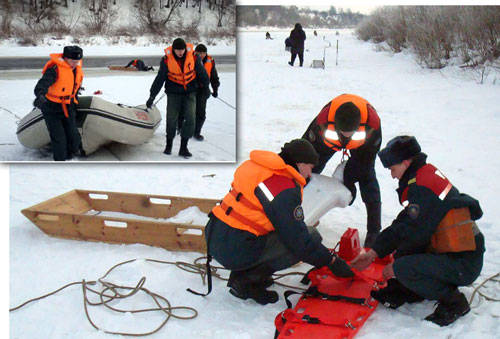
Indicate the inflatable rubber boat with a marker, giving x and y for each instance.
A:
(99, 122)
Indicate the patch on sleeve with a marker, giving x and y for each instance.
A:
(298, 213)
(413, 211)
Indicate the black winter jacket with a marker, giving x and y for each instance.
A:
(411, 234)
(298, 36)
(237, 249)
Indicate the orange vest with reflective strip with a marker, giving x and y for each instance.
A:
(455, 231)
(245, 210)
(175, 74)
(209, 63)
(67, 83)
(331, 139)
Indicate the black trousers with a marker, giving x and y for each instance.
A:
(64, 136)
(433, 276)
(202, 96)
(301, 58)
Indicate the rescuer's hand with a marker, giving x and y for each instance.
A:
(40, 101)
(149, 103)
(340, 268)
(364, 260)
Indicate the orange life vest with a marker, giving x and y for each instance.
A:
(175, 74)
(134, 63)
(455, 232)
(240, 208)
(331, 138)
(209, 63)
(67, 84)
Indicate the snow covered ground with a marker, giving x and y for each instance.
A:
(454, 119)
(219, 129)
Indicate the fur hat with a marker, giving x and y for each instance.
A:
(347, 117)
(201, 48)
(179, 44)
(398, 149)
(299, 151)
(73, 52)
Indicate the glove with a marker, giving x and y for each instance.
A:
(214, 93)
(340, 268)
(40, 101)
(149, 103)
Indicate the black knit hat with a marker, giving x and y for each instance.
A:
(201, 48)
(347, 117)
(179, 44)
(73, 52)
(398, 149)
(299, 151)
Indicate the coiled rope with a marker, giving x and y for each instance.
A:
(111, 292)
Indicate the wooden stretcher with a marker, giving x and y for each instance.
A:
(80, 215)
(122, 68)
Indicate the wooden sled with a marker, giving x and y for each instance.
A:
(123, 68)
(81, 215)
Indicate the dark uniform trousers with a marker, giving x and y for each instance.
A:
(181, 105)
(202, 95)
(434, 276)
(64, 135)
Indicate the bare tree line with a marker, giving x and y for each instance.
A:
(158, 17)
(438, 33)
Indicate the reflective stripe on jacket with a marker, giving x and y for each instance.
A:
(240, 208)
(175, 74)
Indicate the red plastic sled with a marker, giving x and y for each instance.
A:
(334, 307)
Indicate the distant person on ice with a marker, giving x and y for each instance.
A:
(259, 227)
(268, 36)
(203, 93)
(436, 243)
(288, 44)
(349, 123)
(56, 96)
(181, 71)
(297, 37)
(140, 65)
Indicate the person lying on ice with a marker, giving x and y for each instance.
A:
(438, 245)
(349, 122)
(140, 65)
(259, 227)
(181, 71)
(56, 96)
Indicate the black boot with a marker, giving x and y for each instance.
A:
(373, 211)
(395, 295)
(242, 285)
(449, 309)
(198, 137)
(168, 148)
(183, 151)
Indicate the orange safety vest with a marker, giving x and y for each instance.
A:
(455, 232)
(175, 74)
(240, 208)
(331, 138)
(134, 63)
(67, 84)
(208, 65)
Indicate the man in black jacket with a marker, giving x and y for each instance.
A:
(56, 96)
(259, 226)
(203, 93)
(181, 71)
(297, 37)
(437, 244)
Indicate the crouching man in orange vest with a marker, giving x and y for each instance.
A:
(259, 226)
(56, 96)
(182, 72)
(437, 244)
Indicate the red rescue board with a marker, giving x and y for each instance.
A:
(314, 316)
